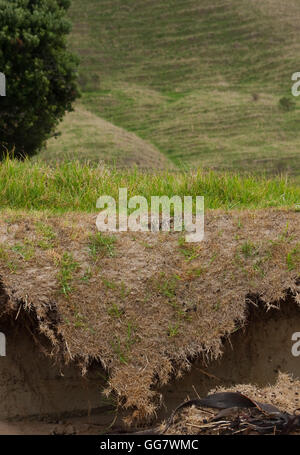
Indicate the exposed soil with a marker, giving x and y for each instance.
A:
(256, 354)
(38, 396)
(144, 305)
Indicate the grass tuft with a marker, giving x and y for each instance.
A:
(76, 187)
(67, 267)
(100, 244)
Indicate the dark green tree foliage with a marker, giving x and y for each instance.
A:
(40, 72)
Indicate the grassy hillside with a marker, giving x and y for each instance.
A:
(87, 137)
(200, 80)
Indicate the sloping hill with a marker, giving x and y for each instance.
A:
(84, 136)
(201, 79)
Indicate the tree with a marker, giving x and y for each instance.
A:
(40, 73)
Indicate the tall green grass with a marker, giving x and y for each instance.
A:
(76, 187)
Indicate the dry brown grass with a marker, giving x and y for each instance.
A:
(148, 305)
(283, 395)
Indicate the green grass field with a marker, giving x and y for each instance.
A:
(75, 186)
(199, 81)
